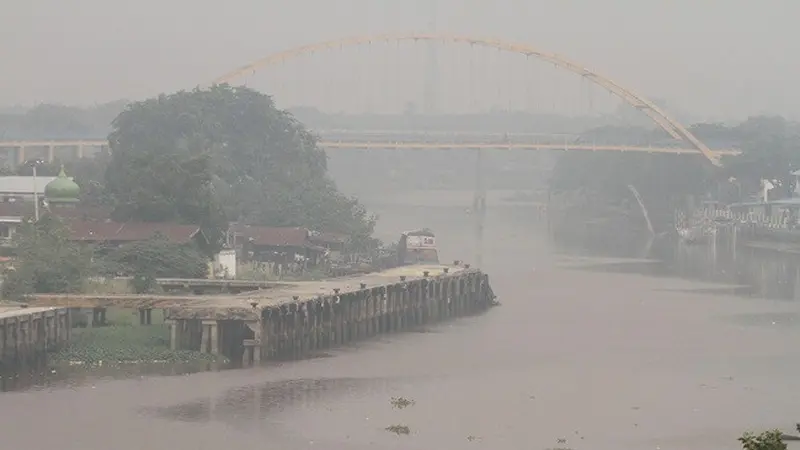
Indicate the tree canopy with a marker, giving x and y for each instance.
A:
(47, 261)
(219, 154)
(770, 148)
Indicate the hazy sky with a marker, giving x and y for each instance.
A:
(715, 58)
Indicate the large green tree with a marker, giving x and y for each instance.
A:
(224, 153)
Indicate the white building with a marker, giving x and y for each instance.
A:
(14, 188)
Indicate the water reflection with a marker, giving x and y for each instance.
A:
(747, 272)
(254, 403)
(44, 375)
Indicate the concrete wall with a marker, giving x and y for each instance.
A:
(27, 334)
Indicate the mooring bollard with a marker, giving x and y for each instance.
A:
(363, 285)
(402, 278)
(425, 273)
(446, 270)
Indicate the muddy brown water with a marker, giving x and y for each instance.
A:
(601, 360)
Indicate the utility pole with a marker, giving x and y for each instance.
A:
(34, 163)
(35, 198)
(431, 69)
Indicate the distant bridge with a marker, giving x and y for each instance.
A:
(49, 150)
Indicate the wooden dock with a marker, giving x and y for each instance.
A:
(27, 334)
(292, 319)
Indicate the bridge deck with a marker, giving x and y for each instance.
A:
(16, 311)
(389, 144)
(239, 306)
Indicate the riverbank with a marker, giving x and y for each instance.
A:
(118, 349)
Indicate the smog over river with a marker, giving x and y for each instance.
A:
(419, 225)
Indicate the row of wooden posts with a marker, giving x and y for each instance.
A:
(302, 326)
(30, 334)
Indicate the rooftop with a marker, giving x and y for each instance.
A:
(23, 185)
(105, 231)
(274, 236)
(25, 209)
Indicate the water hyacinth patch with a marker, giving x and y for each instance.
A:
(125, 344)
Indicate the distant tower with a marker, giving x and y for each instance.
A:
(431, 69)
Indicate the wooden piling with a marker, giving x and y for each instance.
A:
(27, 334)
(296, 325)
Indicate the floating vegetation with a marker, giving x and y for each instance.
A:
(124, 345)
(399, 429)
(768, 440)
(562, 445)
(401, 402)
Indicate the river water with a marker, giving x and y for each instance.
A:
(578, 358)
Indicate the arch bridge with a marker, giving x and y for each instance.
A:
(641, 103)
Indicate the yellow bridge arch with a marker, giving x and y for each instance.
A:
(656, 114)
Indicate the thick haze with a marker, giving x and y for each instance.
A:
(715, 59)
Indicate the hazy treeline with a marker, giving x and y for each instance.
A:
(49, 121)
(596, 184)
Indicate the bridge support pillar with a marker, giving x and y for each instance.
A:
(479, 207)
(209, 342)
(176, 334)
(253, 347)
(98, 317)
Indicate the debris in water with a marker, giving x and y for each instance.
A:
(399, 429)
(401, 402)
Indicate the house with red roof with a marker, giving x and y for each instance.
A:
(282, 245)
(88, 224)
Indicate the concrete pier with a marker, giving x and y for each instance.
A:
(299, 318)
(26, 334)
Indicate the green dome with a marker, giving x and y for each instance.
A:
(62, 189)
